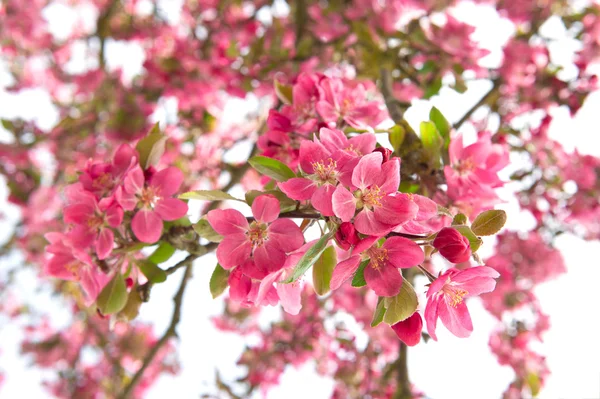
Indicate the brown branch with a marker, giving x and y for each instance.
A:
(479, 104)
(170, 332)
(403, 389)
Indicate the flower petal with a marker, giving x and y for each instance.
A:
(366, 223)
(147, 226)
(367, 170)
(171, 208)
(233, 250)
(269, 256)
(431, 315)
(395, 210)
(343, 203)
(167, 181)
(409, 330)
(321, 199)
(385, 280)
(265, 208)
(456, 319)
(104, 243)
(343, 271)
(298, 188)
(286, 235)
(403, 253)
(227, 221)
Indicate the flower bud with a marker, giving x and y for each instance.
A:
(409, 330)
(346, 236)
(385, 152)
(452, 245)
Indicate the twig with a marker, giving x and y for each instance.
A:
(170, 332)
(480, 103)
(403, 389)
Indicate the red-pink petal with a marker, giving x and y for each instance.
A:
(114, 215)
(167, 181)
(321, 199)
(333, 139)
(298, 188)
(233, 250)
(389, 179)
(171, 208)
(385, 280)
(366, 223)
(269, 256)
(104, 244)
(343, 203)
(265, 208)
(239, 286)
(134, 181)
(290, 297)
(343, 271)
(363, 143)
(310, 153)
(147, 226)
(431, 315)
(227, 221)
(403, 253)
(286, 235)
(395, 210)
(78, 213)
(456, 319)
(409, 330)
(367, 170)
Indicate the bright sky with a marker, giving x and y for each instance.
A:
(447, 369)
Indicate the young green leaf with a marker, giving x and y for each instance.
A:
(441, 123)
(488, 223)
(113, 296)
(208, 195)
(379, 312)
(323, 270)
(310, 257)
(162, 254)
(474, 241)
(153, 273)
(401, 306)
(271, 167)
(151, 148)
(359, 277)
(218, 281)
(432, 143)
(396, 136)
(205, 230)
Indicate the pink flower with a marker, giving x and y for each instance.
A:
(266, 240)
(93, 220)
(103, 178)
(152, 197)
(322, 170)
(70, 263)
(452, 245)
(381, 273)
(346, 236)
(446, 295)
(340, 102)
(409, 330)
(377, 184)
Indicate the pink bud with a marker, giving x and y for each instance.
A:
(452, 245)
(346, 236)
(409, 330)
(385, 152)
(129, 282)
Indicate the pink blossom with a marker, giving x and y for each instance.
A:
(267, 239)
(446, 295)
(70, 263)
(377, 183)
(452, 245)
(381, 273)
(152, 199)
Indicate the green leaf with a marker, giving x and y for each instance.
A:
(153, 273)
(432, 143)
(286, 204)
(474, 241)
(310, 257)
(401, 306)
(323, 270)
(284, 92)
(396, 136)
(208, 195)
(205, 230)
(534, 383)
(162, 254)
(459, 219)
(359, 277)
(489, 222)
(151, 148)
(132, 307)
(271, 167)
(113, 296)
(441, 123)
(379, 312)
(218, 281)
(433, 88)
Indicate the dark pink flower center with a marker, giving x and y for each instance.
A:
(353, 149)
(95, 222)
(379, 257)
(74, 268)
(465, 166)
(257, 234)
(325, 171)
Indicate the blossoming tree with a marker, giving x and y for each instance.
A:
(348, 208)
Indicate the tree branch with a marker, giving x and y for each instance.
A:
(479, 104)
(170, 332)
